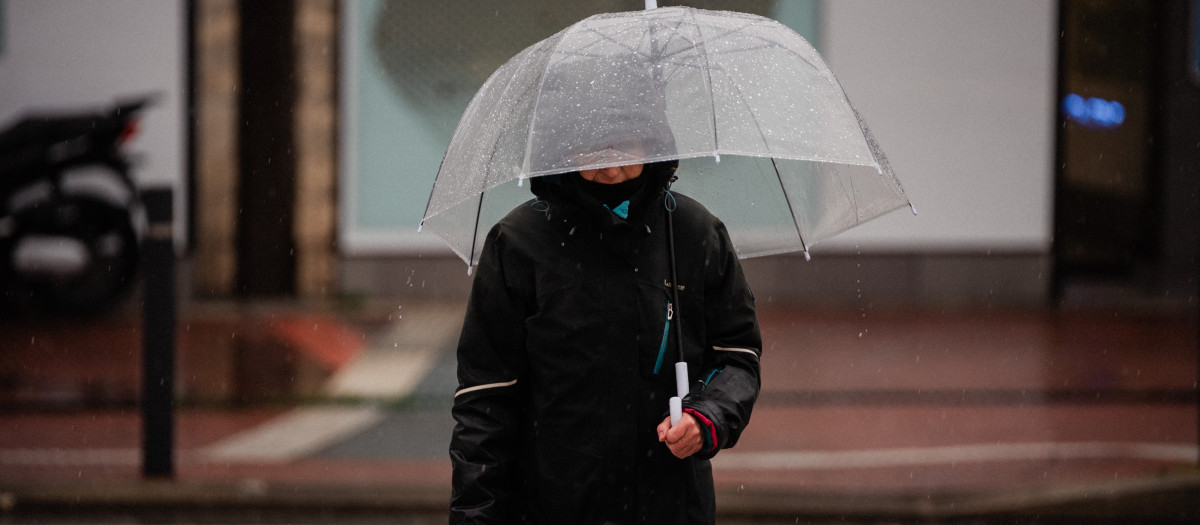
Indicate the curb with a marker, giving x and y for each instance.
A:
(1173, 498)
(231, 500)
(1169, 498)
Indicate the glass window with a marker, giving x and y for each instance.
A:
(410, 68)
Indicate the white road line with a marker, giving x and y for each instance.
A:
(393, 365)
(395, 362)
(385, 375)
(294, 435)
(917, 456)
(291, 436)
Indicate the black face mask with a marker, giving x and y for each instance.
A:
(612, 195)
(572, 187)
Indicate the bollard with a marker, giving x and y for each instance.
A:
(158, 336)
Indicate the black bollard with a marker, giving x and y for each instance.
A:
(158, 336)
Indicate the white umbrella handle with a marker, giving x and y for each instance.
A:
(651, 4)
(681, 379)
(681, 388)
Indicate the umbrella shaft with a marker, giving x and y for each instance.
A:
(675, 285)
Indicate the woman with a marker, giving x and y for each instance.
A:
(564, 362)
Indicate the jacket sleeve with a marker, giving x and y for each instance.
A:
(487, 403)
(729, 374)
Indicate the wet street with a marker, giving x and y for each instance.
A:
(968, 416)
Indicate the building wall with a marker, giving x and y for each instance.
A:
(960, 95)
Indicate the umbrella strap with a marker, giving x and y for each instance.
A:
(669, 204)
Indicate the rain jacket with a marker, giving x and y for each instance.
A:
(566, 362)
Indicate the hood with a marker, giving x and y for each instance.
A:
(568, 199)
(566, 186)
(568, 192)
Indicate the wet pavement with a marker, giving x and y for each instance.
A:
(333, 413)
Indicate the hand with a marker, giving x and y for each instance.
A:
(684, 438)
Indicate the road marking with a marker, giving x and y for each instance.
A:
(294, 435)
(395, 362)
(306, 431)
(916, 456)
(392, 365)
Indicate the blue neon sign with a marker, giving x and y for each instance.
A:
(1093, 112)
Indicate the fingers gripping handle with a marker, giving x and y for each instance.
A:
(681, 389)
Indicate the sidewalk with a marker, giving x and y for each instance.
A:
(865, 415)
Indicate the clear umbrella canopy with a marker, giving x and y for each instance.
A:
(767, 138)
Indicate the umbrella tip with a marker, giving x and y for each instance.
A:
(470, 270)
(420, 226)
(807, 256)
(913, 208)
(717, 156)
(520, 181)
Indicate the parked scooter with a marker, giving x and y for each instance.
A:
(70, 213)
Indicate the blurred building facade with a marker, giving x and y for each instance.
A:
(309, 133)
(1099, 211)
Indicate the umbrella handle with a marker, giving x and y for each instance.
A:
(651, 4)
(681, 379)
(681, 388)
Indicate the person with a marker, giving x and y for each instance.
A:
(565, 357)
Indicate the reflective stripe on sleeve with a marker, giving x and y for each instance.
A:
(485, 387)
(742, 350)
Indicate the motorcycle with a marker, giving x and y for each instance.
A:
(71, 217)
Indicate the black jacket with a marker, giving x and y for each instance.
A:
(561, 381)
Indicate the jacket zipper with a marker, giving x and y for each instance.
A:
(704, 383)
(662, 347)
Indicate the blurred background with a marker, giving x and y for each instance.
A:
(1026, 345)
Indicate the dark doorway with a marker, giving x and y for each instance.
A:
(266, 185)
(1106, 214)
(1126, 184)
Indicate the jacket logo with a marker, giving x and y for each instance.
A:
(667, 284)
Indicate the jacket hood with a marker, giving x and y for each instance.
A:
(559, 187)
(569, 192)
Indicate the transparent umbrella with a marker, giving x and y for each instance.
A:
(671, 84)
(767, 138)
